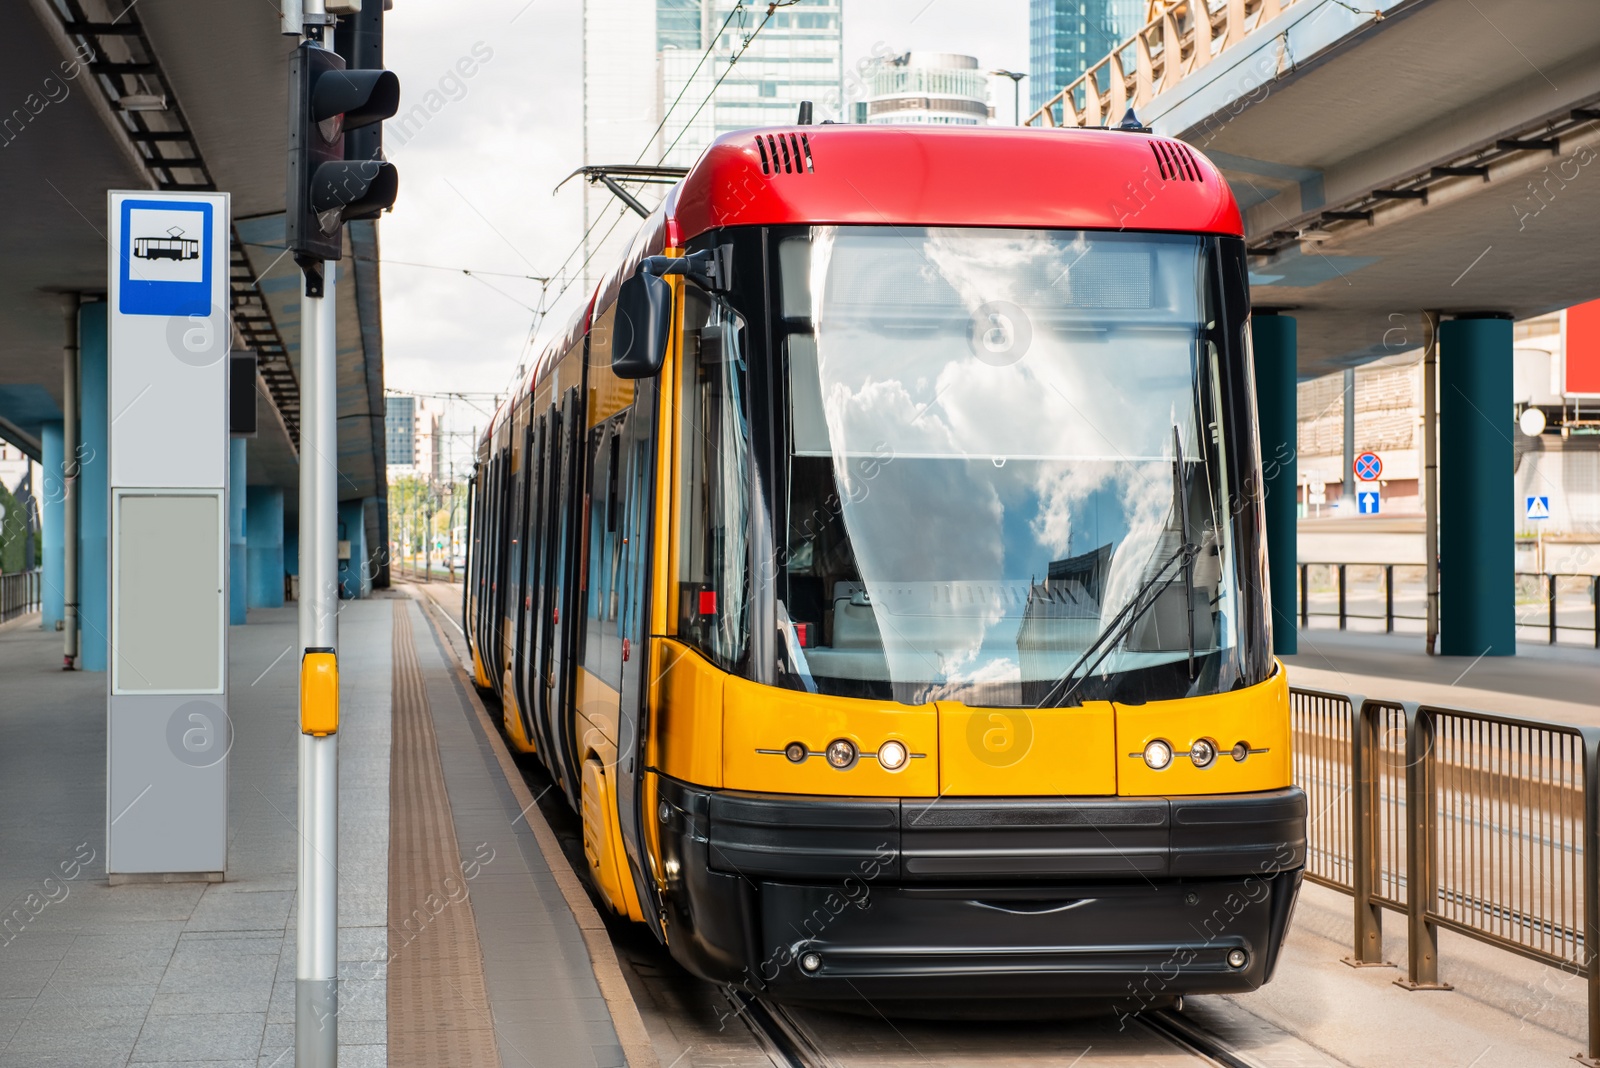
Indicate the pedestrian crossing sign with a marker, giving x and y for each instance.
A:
(1368, 501)
(1538, 507)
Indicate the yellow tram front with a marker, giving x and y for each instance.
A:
(971, 674)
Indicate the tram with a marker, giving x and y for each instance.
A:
(876, 564)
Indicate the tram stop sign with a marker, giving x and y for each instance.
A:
(1368, 467)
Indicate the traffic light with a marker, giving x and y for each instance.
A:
(326, 190)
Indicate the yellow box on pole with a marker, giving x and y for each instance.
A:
(319, 693)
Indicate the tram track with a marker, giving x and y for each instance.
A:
(790, 1042)
(1173, 1026)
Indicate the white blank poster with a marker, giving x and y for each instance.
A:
(170, 608)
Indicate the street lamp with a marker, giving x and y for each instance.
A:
(1016, 77)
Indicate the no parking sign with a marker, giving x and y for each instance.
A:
(1369, 468)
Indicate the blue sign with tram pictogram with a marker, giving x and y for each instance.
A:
(165, 261)
(1368, 467)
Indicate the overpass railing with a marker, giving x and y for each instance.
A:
(1181, 40)
(1552, 602)
(19, 594)
(1473, 822)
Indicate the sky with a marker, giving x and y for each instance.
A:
(502, 82)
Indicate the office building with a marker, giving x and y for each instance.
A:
(1067, 37)
(930, 88)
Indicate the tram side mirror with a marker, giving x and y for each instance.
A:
(643, 326)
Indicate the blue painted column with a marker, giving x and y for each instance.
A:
(354, 580)
(53, 595)
(237, 454)
(94, 490)
(1477, 531)
(1274, 342)
(263, 518)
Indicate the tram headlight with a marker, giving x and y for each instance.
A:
(1202, 753)
(1240, 751)
(1238, 958)
(1157, 754)
(842, 753)
(892, 755)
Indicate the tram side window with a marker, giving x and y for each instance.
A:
(715, 518)
(602, 572)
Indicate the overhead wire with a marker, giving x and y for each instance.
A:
(566, 280)
(733, 61)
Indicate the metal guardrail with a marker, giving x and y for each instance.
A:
(1474, 822)
(1551, 585)
(1182, 39)
(19, 594)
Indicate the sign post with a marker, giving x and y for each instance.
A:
(1537, 509)
(168, 732)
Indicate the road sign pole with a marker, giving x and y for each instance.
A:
(317, 935)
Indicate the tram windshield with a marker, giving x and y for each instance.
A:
(1012, 468)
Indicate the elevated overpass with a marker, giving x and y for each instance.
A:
(1413, 173)
(168, 95)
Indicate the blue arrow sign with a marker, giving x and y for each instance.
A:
(1368, 501)
(1538, 507)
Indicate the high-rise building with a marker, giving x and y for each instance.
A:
(411, 438)
(1067, 37)
(660, 83)
(930, 88)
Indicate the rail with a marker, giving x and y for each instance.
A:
(1185, 37)
(19, 594)
(1474, 822)
(1544, 599)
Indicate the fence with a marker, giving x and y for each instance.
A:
(19, 594)
(1470, 821)
(1342, 591)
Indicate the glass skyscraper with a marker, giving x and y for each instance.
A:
(1067, 37)
(798, 56)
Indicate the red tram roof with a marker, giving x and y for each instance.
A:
(951, 176)
(1002, 176)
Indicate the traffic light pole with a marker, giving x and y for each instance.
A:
(325, 191)
(317, 936)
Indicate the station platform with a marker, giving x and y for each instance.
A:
(1551, 682)
(457, 945)
(467, 939)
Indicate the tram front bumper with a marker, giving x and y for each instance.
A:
(833, 898)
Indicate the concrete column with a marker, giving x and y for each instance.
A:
(51, 458)
(354, 579)
(1273, 339)
(264, 547)
(237, 453)
(94, 490)
(1477, 546)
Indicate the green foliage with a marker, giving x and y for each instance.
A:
(13, 533)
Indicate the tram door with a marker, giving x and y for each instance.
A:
(558, 687)
(530, 650)
(636, 465)
(522, 548)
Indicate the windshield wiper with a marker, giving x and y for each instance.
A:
(1182, 508)
(1140, 603)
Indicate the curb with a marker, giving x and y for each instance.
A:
(625, 1018)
